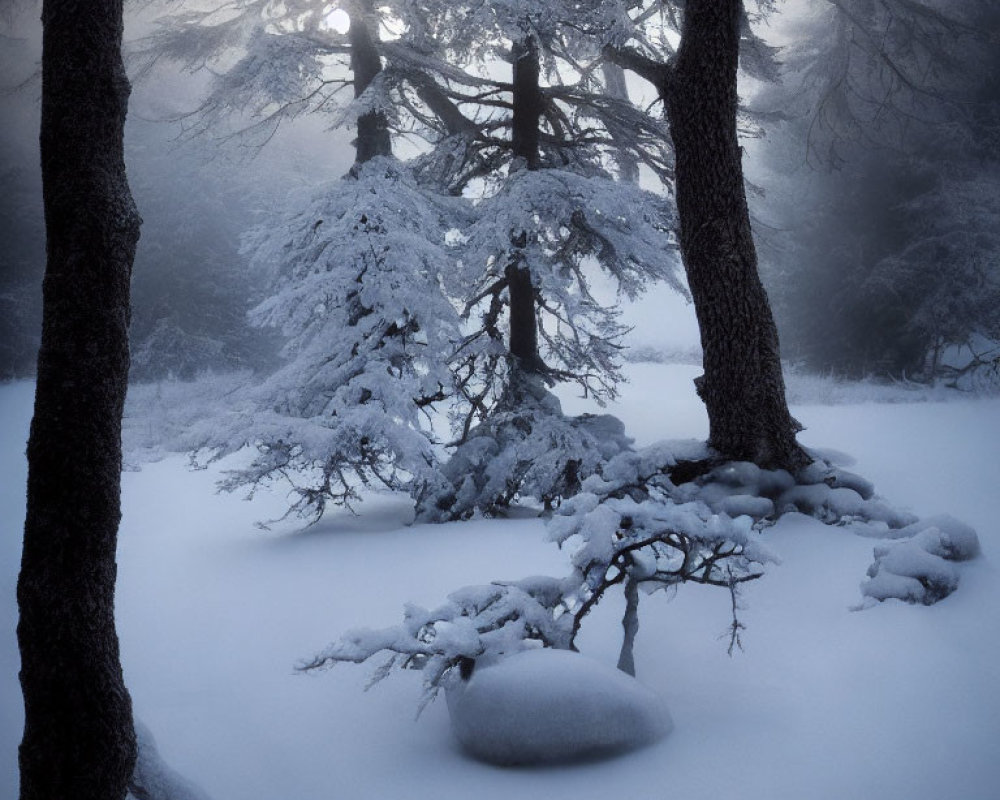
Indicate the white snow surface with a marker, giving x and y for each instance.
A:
(894, 702)
(543, 706)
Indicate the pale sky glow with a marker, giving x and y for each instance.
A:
(337, 20)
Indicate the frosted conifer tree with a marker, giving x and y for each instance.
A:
(355, 276)
(555, 224)
(356, 292)
(554, 213)
(548, 211)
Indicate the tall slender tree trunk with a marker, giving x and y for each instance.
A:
(742, 387)
(527, 101)
(78, 740)
(616, 87)
(366, 63)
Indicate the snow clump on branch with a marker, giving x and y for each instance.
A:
(615, 537)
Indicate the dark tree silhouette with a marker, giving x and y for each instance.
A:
(743, 388)
(526, 116)
(366, 64)
(79, 739)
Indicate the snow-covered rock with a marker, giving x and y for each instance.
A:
(544, 705)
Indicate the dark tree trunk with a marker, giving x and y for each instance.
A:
(527, 101)
(78, 740)
(743, 388)
(614, 81)
(366, 63)
(523, 324)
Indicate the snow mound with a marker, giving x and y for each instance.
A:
(905, 571)
(945, 536)
(918, 569)
(548, 706)
(821, 490)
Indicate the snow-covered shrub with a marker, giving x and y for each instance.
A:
(916, 567)
(525, 448)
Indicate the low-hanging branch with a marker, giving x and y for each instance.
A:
(656, 542)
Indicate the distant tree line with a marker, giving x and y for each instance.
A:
(887, 188)
(191, 287)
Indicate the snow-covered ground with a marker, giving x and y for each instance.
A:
(893, 702)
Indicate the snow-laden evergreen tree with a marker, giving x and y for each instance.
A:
(542, 211)
(548, 228)
(554, 213)
(356, 291)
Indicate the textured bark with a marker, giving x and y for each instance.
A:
(527, 101)
(78, 740)
(743, 388)
(441, 106)
(366, 63)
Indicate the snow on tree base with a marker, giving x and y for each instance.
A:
(822, 490)
(916, 568)
(547, 706)
(526, 448)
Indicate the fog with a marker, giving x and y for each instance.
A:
(878, 225)
(877, 219)
(875, 262)
(196, 195)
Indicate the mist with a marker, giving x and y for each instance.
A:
(839, 221)
(328, 419)
(197, 195)
(878, 224)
